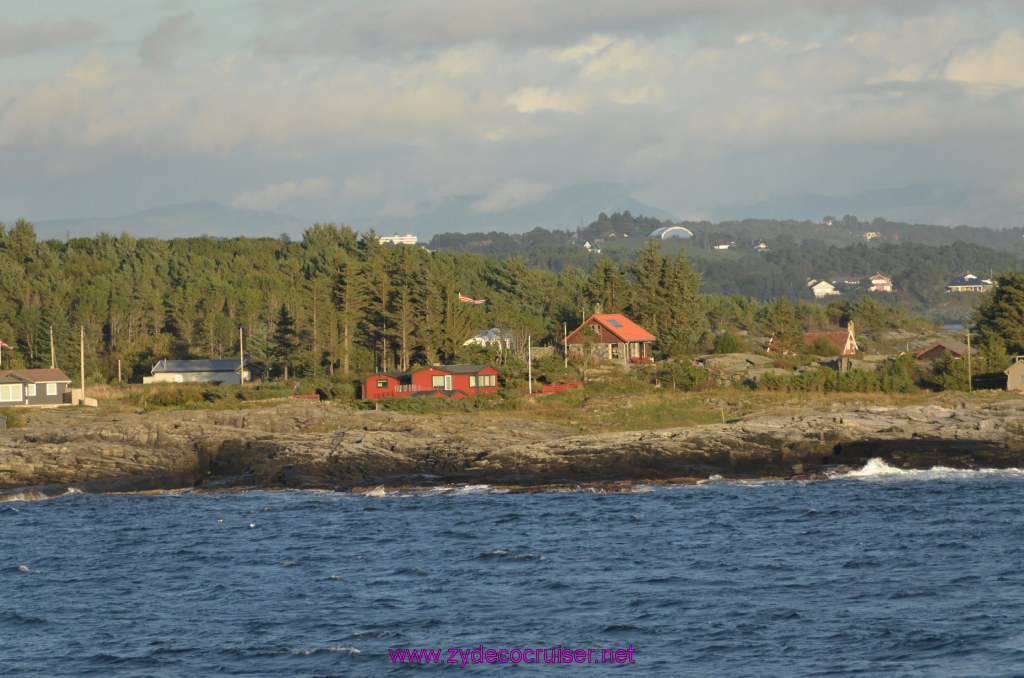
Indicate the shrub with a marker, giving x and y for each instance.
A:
(728, 343)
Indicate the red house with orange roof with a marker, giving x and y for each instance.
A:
(613, 336)
(447, 381)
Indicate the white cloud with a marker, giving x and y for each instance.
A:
(276, 195)
(583, 50)
(534, 99)
(431, 94)
(514, 193)
(1000, 62)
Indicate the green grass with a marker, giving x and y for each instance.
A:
(200, 396)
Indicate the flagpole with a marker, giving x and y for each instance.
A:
(529, 362)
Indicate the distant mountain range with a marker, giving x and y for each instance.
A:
(562, 209)
(178, 221)
(938, 204)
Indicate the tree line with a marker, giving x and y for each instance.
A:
(337, 305)
(331, 304)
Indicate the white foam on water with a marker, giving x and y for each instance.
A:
(26, 570)
(877, 469)
(351, 651)
(35, 495)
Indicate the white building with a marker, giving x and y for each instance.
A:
(191, 371)
(822, 288)
(407, 239)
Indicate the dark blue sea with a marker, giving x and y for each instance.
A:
(883, 573)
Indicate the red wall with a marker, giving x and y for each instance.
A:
(370, 389)
(423, 381)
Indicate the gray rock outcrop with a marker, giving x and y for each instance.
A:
(323, 445)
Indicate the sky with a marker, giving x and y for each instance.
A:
(367, 110)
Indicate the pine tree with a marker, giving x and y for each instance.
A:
(1000, 313)
(285, 341)
(349, 297)
(786, 333)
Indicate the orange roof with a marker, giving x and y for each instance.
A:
(621, 326)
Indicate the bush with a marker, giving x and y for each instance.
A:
(824, 347)
(728, 343)
(682, 375)
(893, 376)
(13, 417)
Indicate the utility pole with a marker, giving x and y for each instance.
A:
(241, 358)
(81, 364)
(565, 343)
(529, 363)
(970, 388)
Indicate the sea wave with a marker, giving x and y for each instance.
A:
(878, 469)
(37, 494)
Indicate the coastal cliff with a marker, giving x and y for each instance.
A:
(308, 445)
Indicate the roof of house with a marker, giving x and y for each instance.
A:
(957, 348)
(969, 279)
(204, 365)
(450, 369)
(460, 369)
(493, 334)
(621, 326)
(836, 338)
(36, 375)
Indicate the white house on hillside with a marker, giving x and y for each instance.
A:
(822, 288)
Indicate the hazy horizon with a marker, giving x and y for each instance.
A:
(385, 116)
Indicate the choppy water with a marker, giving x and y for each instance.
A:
(879, 574)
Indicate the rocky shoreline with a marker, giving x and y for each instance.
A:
(322, 445)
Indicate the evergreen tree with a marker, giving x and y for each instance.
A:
(1000, 313)
(607, 287)
(285, 341)
(786, 334)
(350, 301)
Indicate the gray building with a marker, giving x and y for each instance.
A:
(34, 388)
(190, 371)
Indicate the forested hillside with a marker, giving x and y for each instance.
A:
(331, 303)
(337, 304)
(921, 260)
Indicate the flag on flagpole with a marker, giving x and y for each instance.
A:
(470, 300)
(4, 344)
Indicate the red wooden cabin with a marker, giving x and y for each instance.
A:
(450, 381)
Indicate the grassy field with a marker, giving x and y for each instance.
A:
(590, 412)
(600, 407)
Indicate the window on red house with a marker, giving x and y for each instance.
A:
(437, 381)
(382, 383)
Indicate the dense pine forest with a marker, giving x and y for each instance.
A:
(336, 304)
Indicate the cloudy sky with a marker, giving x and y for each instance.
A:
(349, 109)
